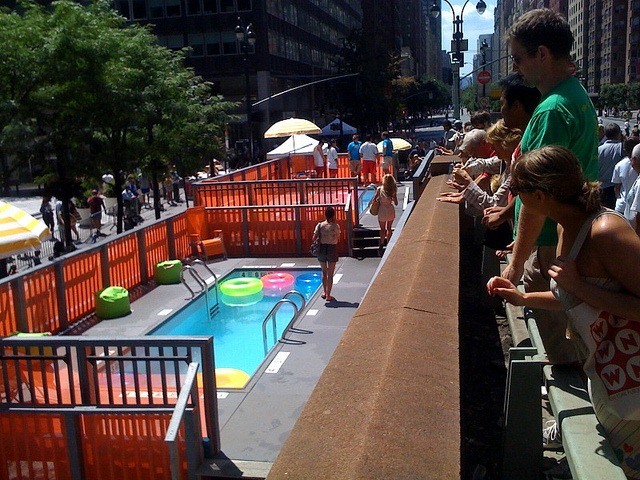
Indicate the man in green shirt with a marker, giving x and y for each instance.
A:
(541, 42)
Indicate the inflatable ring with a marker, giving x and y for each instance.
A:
(228, 378)
(240, 287)
(277, 281)
(241, 301)
(309, 281)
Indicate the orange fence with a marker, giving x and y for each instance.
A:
(82, 408)
(272, 231)
(51, 297)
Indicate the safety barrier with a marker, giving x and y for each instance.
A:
(77, 407)
(50, 298)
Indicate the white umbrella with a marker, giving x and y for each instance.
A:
(398, 144)
(19, 231)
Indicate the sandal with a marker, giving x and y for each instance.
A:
(323, 296)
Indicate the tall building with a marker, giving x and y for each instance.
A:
(633, 45)
(578, 16)
(296, 42)
(613, 41)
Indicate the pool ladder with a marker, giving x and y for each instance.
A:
(202, 283)
(272, 316)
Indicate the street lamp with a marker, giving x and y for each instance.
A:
(247, 39)
(458, 45)
(483, 48)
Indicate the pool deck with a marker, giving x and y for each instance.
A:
(256, 421)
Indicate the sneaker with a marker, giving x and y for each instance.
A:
(551, 437)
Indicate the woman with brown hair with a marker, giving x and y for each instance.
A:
(329, 234)
(595, 280)
(387, 196)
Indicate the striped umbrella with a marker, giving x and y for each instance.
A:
(19, 231)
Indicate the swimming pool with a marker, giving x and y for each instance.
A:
(237, 325)
(364, 199)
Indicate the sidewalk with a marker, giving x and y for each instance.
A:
(32, 206)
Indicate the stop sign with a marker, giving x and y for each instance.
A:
(484, 77)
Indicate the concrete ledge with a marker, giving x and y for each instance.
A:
(387, 405)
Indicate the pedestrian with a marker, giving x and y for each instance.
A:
(318, 160)
(387, 153)
(354, 156)
(332, 159)
(328, 232)
(541, 42)
(47, 214)
(609, 154)
(624, 175)
(595, 280)
(369, 155)
(96, 207)
(387, 196)
(632, 197)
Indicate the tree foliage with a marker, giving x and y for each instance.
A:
(99, 95)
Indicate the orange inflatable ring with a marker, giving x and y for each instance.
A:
(277, 281)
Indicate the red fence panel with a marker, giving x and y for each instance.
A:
(82, 280)
(180, 238)
(41, 302)
(124, 264)
(157, 250)
(128, 447)
(35, 449)
(8, 323)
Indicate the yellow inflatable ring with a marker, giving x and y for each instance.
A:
(228, 378)
(277, 281)
(240, 287)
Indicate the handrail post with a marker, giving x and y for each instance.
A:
(142, 257)
(58, 270)
(354, 201)
(19, 304)
(245, 232)
(104, 265)
(74, 452)
(298, 227)
(171, 238)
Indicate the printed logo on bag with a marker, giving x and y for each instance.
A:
(617, 359)
(633, 368)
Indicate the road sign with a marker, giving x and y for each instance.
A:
(484, 102)
(484, 77)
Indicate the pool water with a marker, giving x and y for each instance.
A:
(237, 326)
(364, 199)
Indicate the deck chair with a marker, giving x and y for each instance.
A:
(204, 242)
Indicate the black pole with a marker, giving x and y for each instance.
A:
(245, 46)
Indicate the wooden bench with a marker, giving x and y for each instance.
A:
(588, 452)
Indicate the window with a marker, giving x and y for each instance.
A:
(210, 6)
(173, 8)
(194, 7)
(196, 42)
(229, 43)
(226, 6)
(175, 42)
(123, 9)
(156, 8)
(139, 9)
(212, 40)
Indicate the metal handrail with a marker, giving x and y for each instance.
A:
(295, 292)
(196, 276)
(188, 391)
(197, 261)
(272, 313)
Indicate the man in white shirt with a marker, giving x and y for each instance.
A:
(632, 206)
(624, 175)
(369, 156)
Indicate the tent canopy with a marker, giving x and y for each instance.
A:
(333, 129)
(295, 144)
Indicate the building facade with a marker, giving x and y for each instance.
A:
(296, 42)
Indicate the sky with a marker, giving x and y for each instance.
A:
(473, 25)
